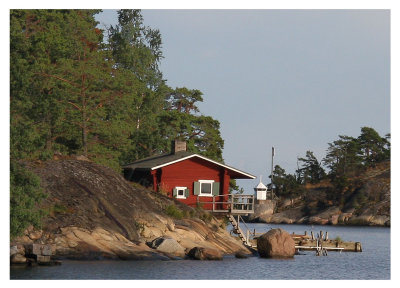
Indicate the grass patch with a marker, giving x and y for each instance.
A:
(58, 209)
(206, 217)
(174, 212)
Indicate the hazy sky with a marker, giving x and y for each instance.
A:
(292, 79)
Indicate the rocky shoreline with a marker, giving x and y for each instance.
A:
(93, 213)
(264, 213)
(195, 240)
(365, 201)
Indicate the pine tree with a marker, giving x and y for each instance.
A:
(311, 170)
(25, 193)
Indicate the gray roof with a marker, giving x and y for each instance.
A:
(155, 162)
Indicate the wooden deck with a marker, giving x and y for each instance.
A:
(235, 204)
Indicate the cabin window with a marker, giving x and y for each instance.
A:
(181, 192)
(206, 188)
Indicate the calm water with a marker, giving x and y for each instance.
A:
(372, 263)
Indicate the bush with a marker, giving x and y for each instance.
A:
(25, 195)
(206, 217)
(174, 212)
(58, 209)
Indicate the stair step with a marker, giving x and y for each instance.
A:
(237, 230)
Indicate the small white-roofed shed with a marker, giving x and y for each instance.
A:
(261, 191)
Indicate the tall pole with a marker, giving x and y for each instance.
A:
(272, 170)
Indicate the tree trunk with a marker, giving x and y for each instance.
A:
(84, 133)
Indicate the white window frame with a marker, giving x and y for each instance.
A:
(208, 182)
(180, 188)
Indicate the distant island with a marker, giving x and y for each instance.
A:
(355, 189)
(366, 202)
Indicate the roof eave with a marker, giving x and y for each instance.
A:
(249, 176)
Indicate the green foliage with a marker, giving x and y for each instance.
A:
(373, 147)
(358, 199)
(206, 217)
(225, 222)
(346, 158)
(180, 121)
(349, 156)
(311, 170)
(174, 212)
(25, 195)
(342, 157)
(338, 239)
(58, 208)
(234, 188)
(286, 185)
(74, 93)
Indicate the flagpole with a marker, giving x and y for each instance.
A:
(272, 170)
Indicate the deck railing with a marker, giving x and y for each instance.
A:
(232, 203)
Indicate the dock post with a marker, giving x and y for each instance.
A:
(248, 236)
(317, 249)
(321, 235)
(305, 233)
(312, 235)
(326, 236)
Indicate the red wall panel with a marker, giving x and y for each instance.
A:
(185, 173)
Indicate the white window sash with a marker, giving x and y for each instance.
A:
(206, 182)
(180, 189)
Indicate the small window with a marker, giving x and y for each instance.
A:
(181, 192)
(206, 187)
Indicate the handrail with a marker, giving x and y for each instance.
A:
(235, 202)
(244, 223)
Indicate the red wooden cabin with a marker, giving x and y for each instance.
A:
(186, 176)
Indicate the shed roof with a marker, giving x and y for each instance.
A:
(261, 186)
(156, 162)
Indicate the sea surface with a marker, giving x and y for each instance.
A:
(372, 263)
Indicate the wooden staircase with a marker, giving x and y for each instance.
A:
(244, 237)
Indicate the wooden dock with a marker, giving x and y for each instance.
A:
(310, 242)
(303, 242)
(233, 206)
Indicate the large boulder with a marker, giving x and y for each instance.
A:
(201, 253)
(276, 243)
(168, 245)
